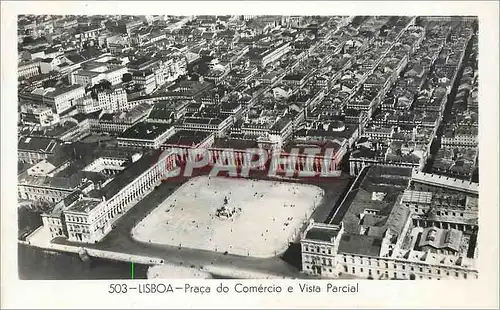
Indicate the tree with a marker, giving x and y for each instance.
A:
(49, 83)
(127, 77)
(104, 84)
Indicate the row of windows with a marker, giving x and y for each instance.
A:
(399, 266)
(78, 219)
(148, 178)
(78, 228)
(39, 190)
(54, 221)
(423, 210)
(317, 249)
(384, 273)
(322, 268)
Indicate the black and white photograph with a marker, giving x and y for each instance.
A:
(248, 147)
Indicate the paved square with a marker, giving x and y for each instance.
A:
(266, 216)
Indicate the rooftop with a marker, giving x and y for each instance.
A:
(237, 144)
(441, 238)
(321, 233)
(36, 144)
(364, 195)
(187, 138)
(84, 205)
(128, 175)
(145, 131)
(418, 197)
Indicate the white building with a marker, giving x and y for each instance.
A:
(108, 100)
(147, 79)
(29, 69)
(463, 136)
(60, 99)
(89, 219)
(49, 64)
(95, 74)
(216, 125)
(113, 100)
(372, 241)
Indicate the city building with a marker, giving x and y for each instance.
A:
(60, 99)
(88, 218)
(384, 229)
(38, 115)
(94, 73)
(34, 149)
(146, 135)
(29, 69)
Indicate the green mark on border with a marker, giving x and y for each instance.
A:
(132, 270)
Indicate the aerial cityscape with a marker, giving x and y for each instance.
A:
(247, 147)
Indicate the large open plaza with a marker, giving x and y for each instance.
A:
(238, 216)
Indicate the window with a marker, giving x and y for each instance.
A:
(438, 271)
(353, 269)
(465, 275)
(403, 267)
(421, 269)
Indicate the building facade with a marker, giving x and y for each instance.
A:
(89, 219)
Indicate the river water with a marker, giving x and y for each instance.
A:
(38, 264)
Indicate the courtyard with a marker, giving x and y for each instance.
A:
(239, 216)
